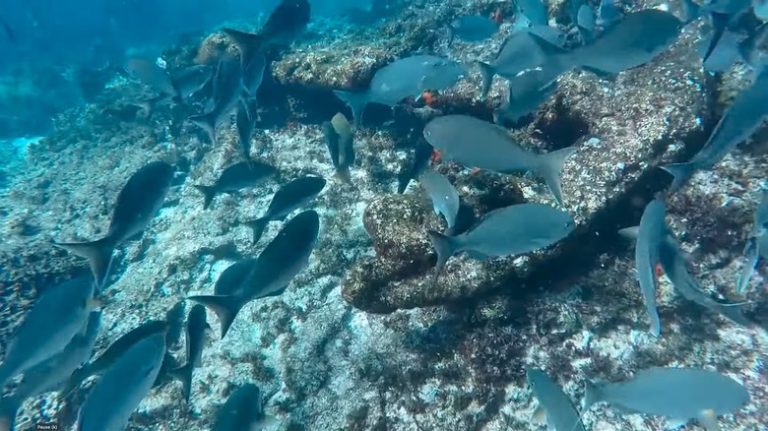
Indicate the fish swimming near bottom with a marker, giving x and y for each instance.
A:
(121, 388)
(111, 354)
(55, 318)
(506, 231)
(236, 177)
(445, 199)
(479, 144)
(197, 328)
(137, 203)
(153, 76)
(679, 394)
(527, 91)
(650, 234)
(284, 258)
(295, 194)
(560, 411)
(243, 410)
(405, 77)
(739, 121)
(52, 373)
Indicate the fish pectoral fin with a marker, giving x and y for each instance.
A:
(708, 419)
(629, 232)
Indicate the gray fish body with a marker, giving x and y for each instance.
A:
(561, 414)
(506, 231)
(406, 77)
(118, 393)
(516, 229)
(476, 143)
(241, 411)
(445, 199)
(54, 320)
(527, 92)
(738, 123)
(473, 28)
(227, 89)
(196, 329)
(253, 74)
(675, 393)
(137, 203)
(112, 353)
(756, 246)
(651, 233)
(230, 282)
(635, 40)
(53, 372)
(673, 261)
(237, 177)
(293, 195)
(284, 258)
(522, 50)
(150, 74)
(191, 80)
(246, 111)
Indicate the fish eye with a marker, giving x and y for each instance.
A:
(427, 133)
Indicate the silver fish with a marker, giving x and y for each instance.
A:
(119, 391)
(445, 199)
(679, 394)
(227, 91)
(197, 328)
(506, 231)
(406, 77)
(56, 317)
(527, 92)
(650, 234)
(477, 143)
(757, 245)
(150, 74)
(137, 203)
(52, 373)
(560, 412)
(244, 410)
(236, 177)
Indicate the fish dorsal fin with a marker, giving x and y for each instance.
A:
(629, 232)
(708, 419)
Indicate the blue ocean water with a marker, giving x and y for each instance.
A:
(387, 215)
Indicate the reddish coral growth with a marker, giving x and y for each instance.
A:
(429, 97)
(436, 156)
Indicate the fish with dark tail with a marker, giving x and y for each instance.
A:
(284, 258)
(285, 24)
(227, 88)
(137, 203)
(289, 197)
(197, 328)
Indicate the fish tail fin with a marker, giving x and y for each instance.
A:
(444, 248)
(207, 122)
(451, 35)
(682, 173)
(246, 43)
(487, 73)
(550, 168)
(592, 395)
(98, 253)
(258, 227)
(184, 375)
(208, 194)
(344, 175)
(9, 406)
(226, 308)
(356, 103)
